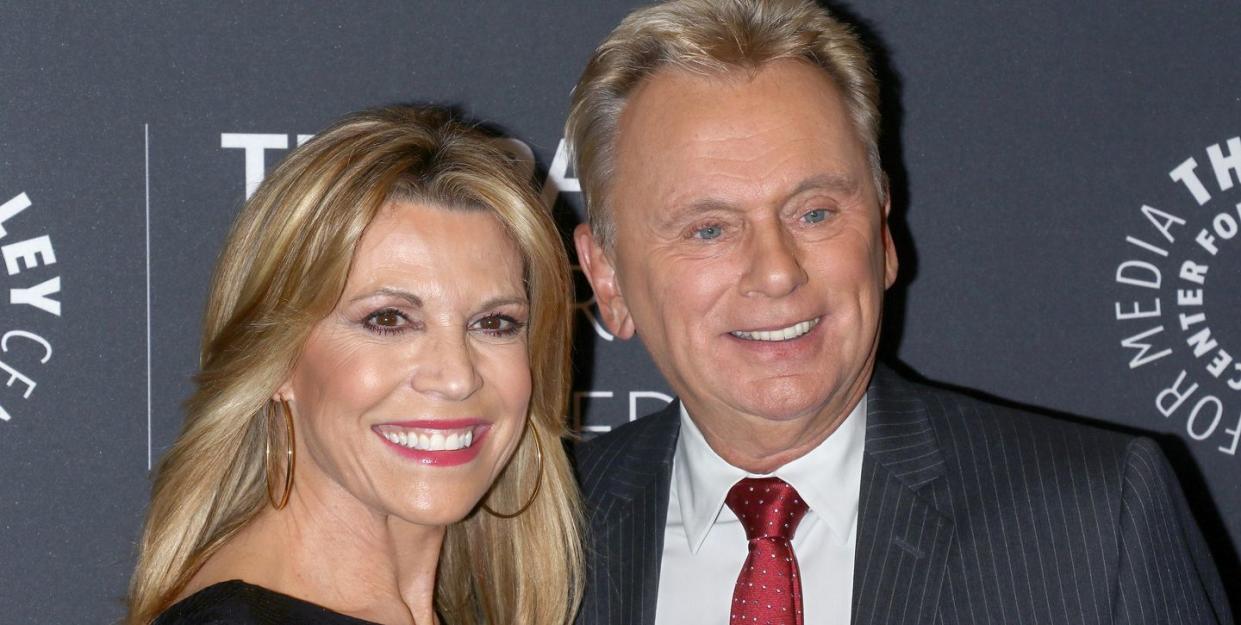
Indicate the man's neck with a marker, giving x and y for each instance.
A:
(761, 446)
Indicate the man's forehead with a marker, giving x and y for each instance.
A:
(679, 114)
(692, 143)
(672, 86)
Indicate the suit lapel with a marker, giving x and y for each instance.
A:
(903, 540)
(629, 518)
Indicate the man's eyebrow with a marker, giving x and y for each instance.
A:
(826, 182)
(681, 215)
(413, 300)
(709, 204)
(843, 183)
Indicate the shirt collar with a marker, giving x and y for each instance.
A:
(828, 478)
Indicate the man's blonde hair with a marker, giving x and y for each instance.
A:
(709, 36)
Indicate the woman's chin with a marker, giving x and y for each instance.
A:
(441, 514)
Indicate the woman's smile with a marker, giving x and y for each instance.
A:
(436, 443)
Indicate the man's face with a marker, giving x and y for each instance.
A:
(751, 251)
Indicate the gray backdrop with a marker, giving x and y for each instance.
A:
(1055, 167)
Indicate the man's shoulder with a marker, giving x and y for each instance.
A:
(645, 440)
(1103, 502)
(952, 412)
(978, 436)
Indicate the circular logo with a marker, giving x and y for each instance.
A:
(1180, 310)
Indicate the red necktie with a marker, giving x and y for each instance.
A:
(768, 590)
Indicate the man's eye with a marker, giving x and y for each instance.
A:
(707, 233)
(815, 216)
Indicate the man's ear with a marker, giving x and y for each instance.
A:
(601, 274)
(890, 261)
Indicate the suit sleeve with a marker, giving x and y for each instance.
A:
(1165, 572)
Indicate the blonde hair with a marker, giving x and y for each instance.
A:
(283, 269)
(709, 36)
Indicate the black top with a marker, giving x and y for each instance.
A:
(238, 603)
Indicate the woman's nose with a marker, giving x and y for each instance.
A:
(447, 369)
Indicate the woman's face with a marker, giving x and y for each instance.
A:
(411, 395)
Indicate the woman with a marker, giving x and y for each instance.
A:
(375, 436)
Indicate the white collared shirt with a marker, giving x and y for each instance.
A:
(705, 545)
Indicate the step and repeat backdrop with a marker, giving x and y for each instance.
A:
(1067, 182)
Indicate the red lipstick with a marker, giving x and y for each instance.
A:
(477, 429)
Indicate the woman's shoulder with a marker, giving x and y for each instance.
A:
(235, 602)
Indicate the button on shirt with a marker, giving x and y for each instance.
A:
(705, 545)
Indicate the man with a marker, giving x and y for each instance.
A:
(728, 154)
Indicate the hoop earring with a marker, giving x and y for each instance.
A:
(290, 457)
(538, 481)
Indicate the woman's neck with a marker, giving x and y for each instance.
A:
(328, 548)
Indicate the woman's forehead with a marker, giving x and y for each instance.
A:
(436, 247)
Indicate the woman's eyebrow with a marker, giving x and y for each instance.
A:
(413, 300)
(505, 300)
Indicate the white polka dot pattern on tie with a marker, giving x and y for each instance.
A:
(766, 591)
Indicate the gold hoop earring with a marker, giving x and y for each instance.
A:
(290, 457)
(538, 481)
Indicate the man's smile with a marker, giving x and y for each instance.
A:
(779, 334)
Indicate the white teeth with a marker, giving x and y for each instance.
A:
(434, 440)
(783, 334)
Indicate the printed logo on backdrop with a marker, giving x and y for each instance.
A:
(1181, 312)
(560, 180)
(33, 284)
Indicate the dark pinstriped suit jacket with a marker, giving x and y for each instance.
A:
(970, 513)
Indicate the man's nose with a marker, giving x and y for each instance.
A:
(774, 265)
(447, 369)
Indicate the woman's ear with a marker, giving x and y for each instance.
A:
(284, 392)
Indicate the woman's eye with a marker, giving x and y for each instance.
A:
(815, 216)
(707, 233)
(498, 325)
(386, 321)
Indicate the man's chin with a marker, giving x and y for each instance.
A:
(784, 405)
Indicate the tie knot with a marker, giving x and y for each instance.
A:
(768, 507)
